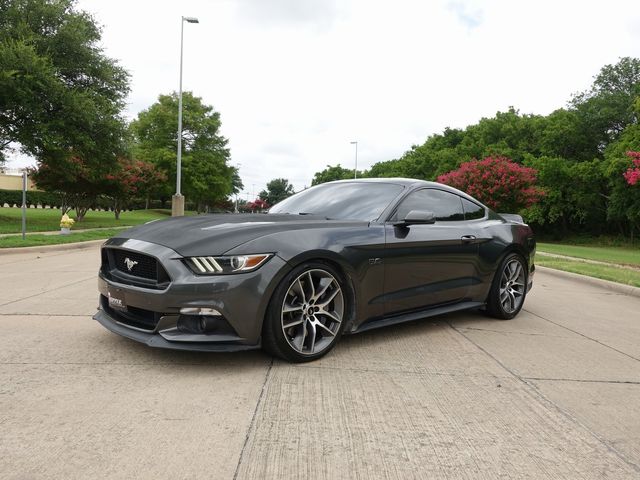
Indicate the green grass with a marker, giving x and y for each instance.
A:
(35, 240)
(614, 274)
(585, 240)
(43, 220)
(621, 255)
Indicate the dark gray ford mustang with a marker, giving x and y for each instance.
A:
(339, 258)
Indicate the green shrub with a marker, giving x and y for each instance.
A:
(13, 198)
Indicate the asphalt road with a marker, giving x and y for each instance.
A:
(554, 393)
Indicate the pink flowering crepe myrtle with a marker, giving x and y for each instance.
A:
(498, 182)
(632, 175)
(258, 204)
(135, 176)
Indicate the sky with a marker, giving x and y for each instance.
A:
(296, 81)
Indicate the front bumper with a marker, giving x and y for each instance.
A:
(152, 316)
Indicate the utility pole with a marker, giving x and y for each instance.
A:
(355, 171)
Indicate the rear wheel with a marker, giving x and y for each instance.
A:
(509, 288)
(306, 315)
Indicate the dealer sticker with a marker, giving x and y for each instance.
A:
(117, 303)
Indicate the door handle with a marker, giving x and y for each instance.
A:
(468, 238)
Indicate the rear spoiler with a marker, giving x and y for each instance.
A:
(512, 217)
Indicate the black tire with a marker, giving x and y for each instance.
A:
(293, 316)
(500, 299)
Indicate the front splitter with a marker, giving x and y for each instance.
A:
(157, 341)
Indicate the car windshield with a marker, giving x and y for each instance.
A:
(341, 201)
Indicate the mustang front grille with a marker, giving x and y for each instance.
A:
(137, 264)
(134, 268)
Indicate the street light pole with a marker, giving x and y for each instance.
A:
(177, 204)
(355, 171)
(24, 204)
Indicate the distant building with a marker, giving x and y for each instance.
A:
(11, 179)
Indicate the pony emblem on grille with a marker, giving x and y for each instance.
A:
(130, 263)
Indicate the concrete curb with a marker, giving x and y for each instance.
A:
(54, 248)
(606, 284)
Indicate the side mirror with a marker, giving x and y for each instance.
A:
(417, 217)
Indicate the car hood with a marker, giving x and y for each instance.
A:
(216, 234)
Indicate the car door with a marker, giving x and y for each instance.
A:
(428, 265)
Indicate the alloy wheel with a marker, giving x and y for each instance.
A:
(512, 287)
(312, 311)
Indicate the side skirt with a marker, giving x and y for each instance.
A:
(408, 317)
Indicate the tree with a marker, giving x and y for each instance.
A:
(496, 181)
(386, 169)
(332, 173)
(564, 134)
(574, 196)
(607, 108)
(509, 134)
(618, 167)
(277, 190)
(236, 181)
(206, 175)
(59, 94)
(131, 178)
(624, 198)
(71, 177)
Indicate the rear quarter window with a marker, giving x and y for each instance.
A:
(472, 210)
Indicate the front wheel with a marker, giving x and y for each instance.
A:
(306, 314)
(509, 288)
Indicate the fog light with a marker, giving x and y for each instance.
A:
(199, 311)
(209, 324)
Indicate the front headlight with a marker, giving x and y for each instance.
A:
(226, 264)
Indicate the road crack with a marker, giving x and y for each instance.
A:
(508, 332)
(253, 420)
(48, 291)
(583, 335)
(581, 380)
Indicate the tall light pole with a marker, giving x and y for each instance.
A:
(235, 210)
(355, 171)
(177, 203)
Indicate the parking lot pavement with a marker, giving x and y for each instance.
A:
(554, 393)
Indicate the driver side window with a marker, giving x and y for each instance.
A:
(446, 206)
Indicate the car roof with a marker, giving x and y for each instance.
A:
(411, 183)
(395, 180)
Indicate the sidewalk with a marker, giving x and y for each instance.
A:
(587, 260)
(57, 232)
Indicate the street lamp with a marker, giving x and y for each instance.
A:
(177, 203)
(355, 171)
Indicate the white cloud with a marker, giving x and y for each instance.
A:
(296, 81)
(317, 14)
(469, 16)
